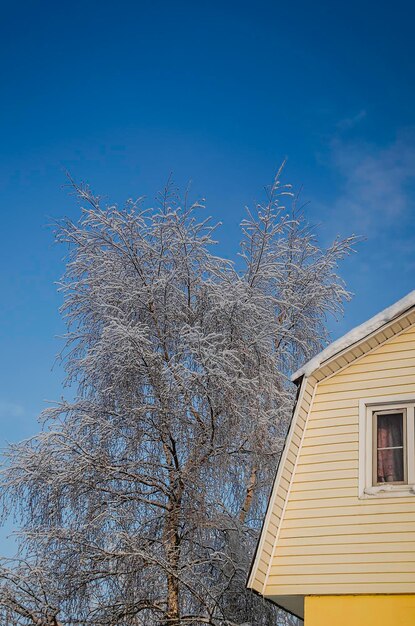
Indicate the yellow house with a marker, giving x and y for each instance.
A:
(337, 545)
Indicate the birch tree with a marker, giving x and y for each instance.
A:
(140, 501)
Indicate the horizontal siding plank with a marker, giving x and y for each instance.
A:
(325, 467)
(329, 439)
(345, 506)
(359, 520)
(382, 368)
(367, 388)
(335, 540)
(381, 353)
(344, 577)
(338, 403)
(389, 358)
(325, 457)
(387, 550)
(281, 562)
(320, 421)
(323, 502)
(343, 570)
(324, 476)
(308, 493)
(324, 588)
(387, 530)
(335, 412)
(316, 486)
(319, 429)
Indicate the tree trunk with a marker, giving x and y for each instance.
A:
(249, 495)
(172, 547)
(171, 535)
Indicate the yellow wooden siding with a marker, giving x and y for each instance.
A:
(279, 497)
(329, 540)
(362, 610)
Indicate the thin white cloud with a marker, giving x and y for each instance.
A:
(350, 122)
(375, 188)
(11, 409)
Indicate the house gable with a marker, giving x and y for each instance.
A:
(318, 536)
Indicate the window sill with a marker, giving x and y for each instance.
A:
(388, 491)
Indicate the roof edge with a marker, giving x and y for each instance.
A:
(356, 335)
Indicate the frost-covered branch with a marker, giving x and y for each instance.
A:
(141, 500)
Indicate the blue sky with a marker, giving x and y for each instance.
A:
(123, 93)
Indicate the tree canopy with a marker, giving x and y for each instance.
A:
(140, 501)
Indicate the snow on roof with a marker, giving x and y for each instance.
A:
(356, 334)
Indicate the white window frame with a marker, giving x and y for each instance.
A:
(367, 408)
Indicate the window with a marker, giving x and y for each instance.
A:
(387, 447)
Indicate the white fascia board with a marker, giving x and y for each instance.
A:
(356, 334)
(274, 490)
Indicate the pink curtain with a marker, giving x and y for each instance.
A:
(390, 465)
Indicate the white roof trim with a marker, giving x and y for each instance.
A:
(356, 334)
(251, 584)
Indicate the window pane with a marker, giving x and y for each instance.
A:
(390, 466)
(390, 457)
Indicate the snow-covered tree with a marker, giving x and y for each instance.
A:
(141, 499)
